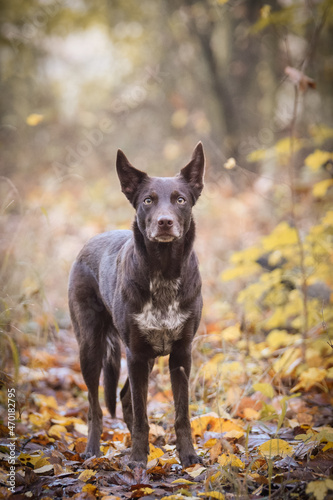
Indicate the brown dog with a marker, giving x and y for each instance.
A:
(143, 287)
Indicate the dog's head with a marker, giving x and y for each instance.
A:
(163, 204)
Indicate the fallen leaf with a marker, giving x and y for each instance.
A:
(34, 119)
(230, 459)
(86, 475)
(319, 488)
(276, 447)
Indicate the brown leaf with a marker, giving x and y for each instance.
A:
(299, 79)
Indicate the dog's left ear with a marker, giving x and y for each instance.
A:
(130, 177)
(194, 171)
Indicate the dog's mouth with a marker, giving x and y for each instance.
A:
(165, 238)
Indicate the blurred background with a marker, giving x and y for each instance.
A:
(80, 79)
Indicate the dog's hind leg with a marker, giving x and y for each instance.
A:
(111, 369)
(90, 321)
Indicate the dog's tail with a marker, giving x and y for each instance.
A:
(111, 370)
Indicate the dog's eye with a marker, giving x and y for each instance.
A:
(181, 200)
(148, 201)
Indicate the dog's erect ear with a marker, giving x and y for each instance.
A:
(130, 178)
(194, 171)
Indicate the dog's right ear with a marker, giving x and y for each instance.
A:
(130, 178)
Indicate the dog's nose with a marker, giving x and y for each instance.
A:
(164, 221)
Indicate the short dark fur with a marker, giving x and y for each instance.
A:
(144, 288)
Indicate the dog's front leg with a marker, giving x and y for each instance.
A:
(180, 367)
(138, 372)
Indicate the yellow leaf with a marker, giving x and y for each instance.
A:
(26, 459)
(282, 235)
(232, 333)
(319, 488)
(212, 494)
(41, 462)
(265, 389)
(280, 338)
(145, 491)
(257, 155)
(315, 160)
(328, 219)
(212, 368)
(230, 459)
(48, 401)
(183, 481)
(276, 447)
(154, 452)
(309, 378)
(34, 119)
(286, 365)
(56, 431)
(251, 414)
(89, 488)
(39, 420)
(320, 188)
(212, 422)
(240, 271)
(168, 460)
(328, 446)
(195, 471)
(86, 475)
(265, 11)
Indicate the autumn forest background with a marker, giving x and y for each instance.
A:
(252, 81)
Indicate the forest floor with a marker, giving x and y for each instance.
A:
(260, 399)
(261, 443)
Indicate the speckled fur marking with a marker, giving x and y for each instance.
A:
(161, 319)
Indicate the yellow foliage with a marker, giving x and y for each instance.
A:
(320, 133)
(276, 447)
(280, 338)
(282, 235)
(48, 401)
(56, 431)
(328, 219)
(257, 155)
(154, 452)
(320, 188)
(232, 333)
(213, 368)
(240, 271)
(230, 459)
(319, 488)
(34, 119)
(265, 389)
(286, 365)
(86, 475)
(309, 378)
(315, 160)
(214, 423)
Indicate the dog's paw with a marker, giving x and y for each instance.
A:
(137, 464)
(191, 459)
(90, 453)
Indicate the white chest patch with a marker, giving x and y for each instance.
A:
(161, 319)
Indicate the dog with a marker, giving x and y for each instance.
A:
(142, 287)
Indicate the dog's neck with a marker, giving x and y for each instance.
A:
(166, 259)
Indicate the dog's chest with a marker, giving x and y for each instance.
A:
(161, 319)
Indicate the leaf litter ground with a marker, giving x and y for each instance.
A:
(256, 439)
